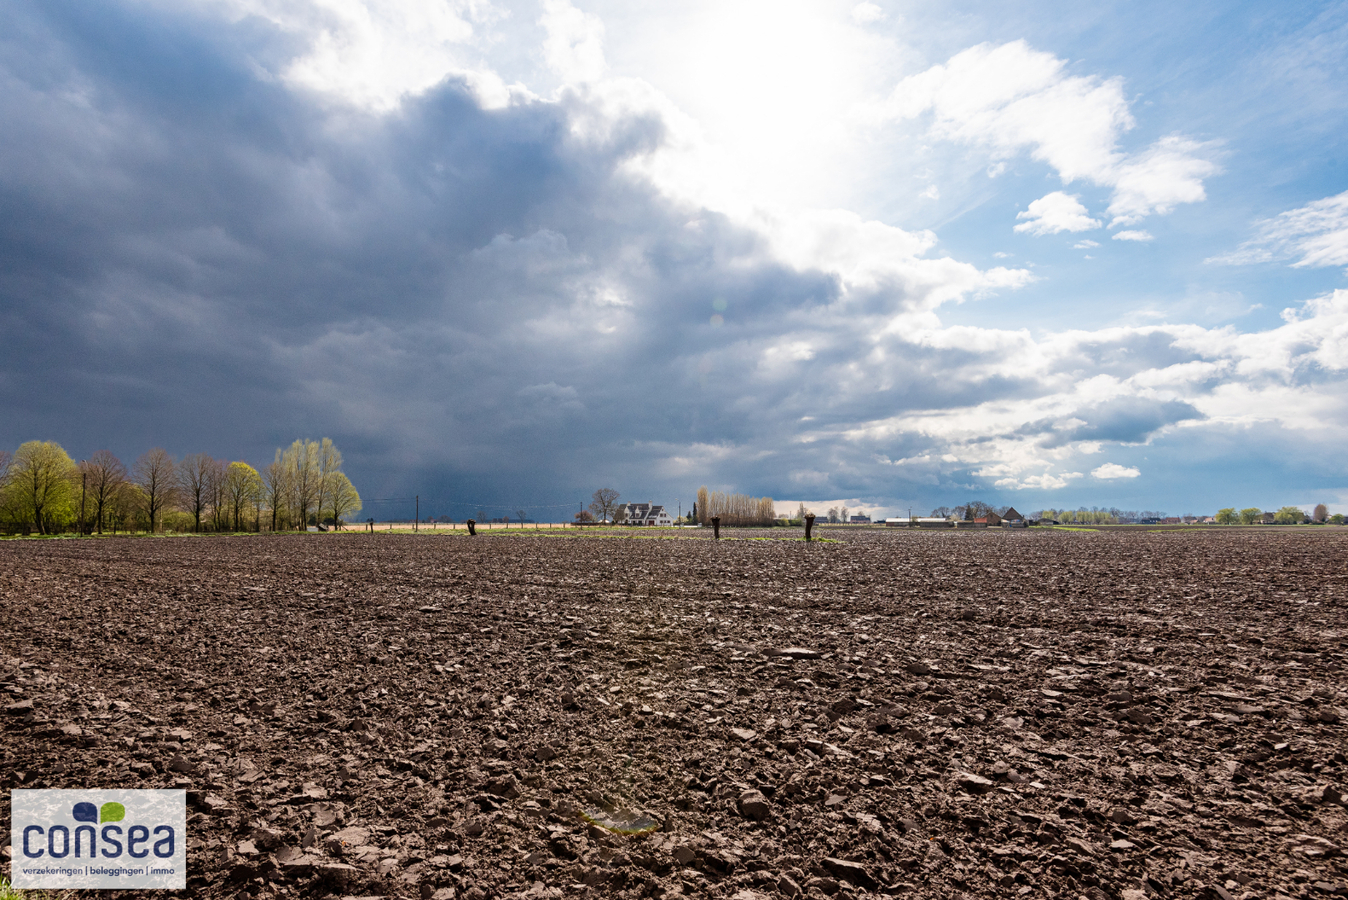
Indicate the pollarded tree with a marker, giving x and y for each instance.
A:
(242, 489)
(343, 499)
(603, 503)
(104, 477)
(1227, 516)
(41, 485)
(1251, 515)
(155, 475)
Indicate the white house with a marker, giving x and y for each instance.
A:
(642, 514)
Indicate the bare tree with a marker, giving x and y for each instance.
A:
(155, 475)
(603, 502)
(328, 462)
(1320, 514)
(301, 462)
(194, 477)
(521, 515)
(218, 492)
(106, 475)
(276, 487)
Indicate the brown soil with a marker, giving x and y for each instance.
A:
(1099, 715)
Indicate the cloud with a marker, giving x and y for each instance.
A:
(1140, 236)
(1168, 173)
(1043, 482)
(574, 47)
(1011, 98)
(1056, 212)
(374, 55)
(1085, 245)
(1114, 470)
(1317, 233)
(931, 193)
(866, 13)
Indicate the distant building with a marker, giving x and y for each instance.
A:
(1011, 515)
(860, 520)
(990, 519)
(919, 522)
(1268, 518)
(642, 514)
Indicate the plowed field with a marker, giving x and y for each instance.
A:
(1108, 715)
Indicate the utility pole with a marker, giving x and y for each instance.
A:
(418, 521)
(84, 485)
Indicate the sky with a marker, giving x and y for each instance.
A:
(887, 255)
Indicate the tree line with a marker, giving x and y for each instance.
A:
(43, 490)
(1287, 515)
(735, 509)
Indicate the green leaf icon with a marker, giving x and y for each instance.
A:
(111, 812)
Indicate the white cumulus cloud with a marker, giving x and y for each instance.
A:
(1141, 236)
(1012, 98)
(1085, 245)
(1114, 470)
(1056, 212)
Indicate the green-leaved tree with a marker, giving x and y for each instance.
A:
(1289, 515)
(343, 500)
(41, 487)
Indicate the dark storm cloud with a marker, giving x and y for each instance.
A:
(198, 257)
(1124, 420)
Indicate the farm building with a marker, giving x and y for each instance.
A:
(642, 514)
